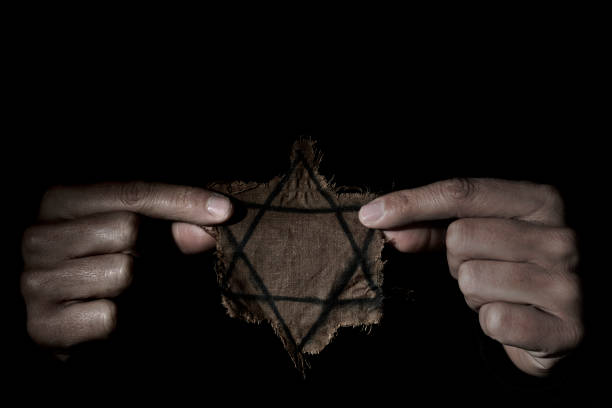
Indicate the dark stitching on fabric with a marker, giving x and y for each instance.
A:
(332, 300)
(301, 210)
(264, 289)
(308, 299)
(258, 217)
(336, 292)
(345, 228)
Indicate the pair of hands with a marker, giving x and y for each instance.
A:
(508, 247)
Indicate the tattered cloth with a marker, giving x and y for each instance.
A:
(298, 257)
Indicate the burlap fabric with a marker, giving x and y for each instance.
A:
(295, 255)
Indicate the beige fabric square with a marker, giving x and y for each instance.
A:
(295, 255)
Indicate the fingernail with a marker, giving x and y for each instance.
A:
(372, 212)
(218, 206)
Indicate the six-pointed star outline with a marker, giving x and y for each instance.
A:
(358, 259)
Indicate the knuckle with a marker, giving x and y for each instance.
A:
(553, 200)
(122, 273)
(134, 194)
(564, 245)
(551, 194)
(401, 202)
(493, 319)
(127, 228)
(30, 284)
(51, 196)
(567, 289)
(457, 234)
(108, 317)
(32, 240)
(467, 278)
(187, 198)
(460, 188)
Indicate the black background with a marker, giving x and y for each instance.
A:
(386, 116)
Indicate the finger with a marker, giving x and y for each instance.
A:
(527, 328)
(192, 239)
(100, 276)
(67, 326)
(459, 198)
(508, 240)
(530, 362)
(484, 282)
(48, 244)
(416, 238)
(157, 200)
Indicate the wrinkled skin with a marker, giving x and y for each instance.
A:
(507, 245)
(79, 256)
(514, 258)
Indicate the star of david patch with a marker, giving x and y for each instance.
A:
(299, 258)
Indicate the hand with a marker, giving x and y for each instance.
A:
(78, 257)
(509, 249)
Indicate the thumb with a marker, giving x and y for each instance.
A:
(419, 237)
(192, 239)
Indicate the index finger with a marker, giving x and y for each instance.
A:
(158, 200)
(461, 198)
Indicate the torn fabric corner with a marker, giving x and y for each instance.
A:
(296, 255)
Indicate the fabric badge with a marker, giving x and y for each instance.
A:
(295, 255)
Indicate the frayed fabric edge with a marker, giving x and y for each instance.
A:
(341, 194)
